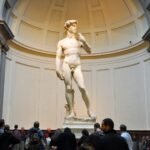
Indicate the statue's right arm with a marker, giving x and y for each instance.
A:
(86, 45)
(59, 62)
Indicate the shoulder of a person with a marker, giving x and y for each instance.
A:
(122, 138)
(111, 135)
(125, 134)
(98, 133)
(73, 134)
(31, 129)
(40, 131)
(60, 42)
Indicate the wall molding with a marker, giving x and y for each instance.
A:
(113, 53)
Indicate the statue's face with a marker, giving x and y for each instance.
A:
(73, 28)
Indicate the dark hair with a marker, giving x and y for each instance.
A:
(67, 130)
(2, 122)
(123, 127)
(109, 122)
(97, 125)
(16, 126)
(36, 124)
(85, 132)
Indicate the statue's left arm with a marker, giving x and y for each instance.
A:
(86, 45)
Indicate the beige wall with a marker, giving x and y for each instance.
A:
(107, 26)
(119, 87)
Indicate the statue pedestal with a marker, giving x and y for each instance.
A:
(77, 124)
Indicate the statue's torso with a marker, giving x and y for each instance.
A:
(72, 49)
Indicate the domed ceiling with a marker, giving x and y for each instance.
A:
(107, 24)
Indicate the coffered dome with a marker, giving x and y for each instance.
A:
(107, 25)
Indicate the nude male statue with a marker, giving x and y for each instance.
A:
(70, 68)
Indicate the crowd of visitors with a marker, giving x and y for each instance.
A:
(104, 137)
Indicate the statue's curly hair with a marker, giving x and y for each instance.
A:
(68, 23)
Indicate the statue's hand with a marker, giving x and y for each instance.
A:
(59, 75)
(86, 46)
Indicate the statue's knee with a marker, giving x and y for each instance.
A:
(70, 90)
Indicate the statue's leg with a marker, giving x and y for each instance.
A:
(78, 76)
(69, 92)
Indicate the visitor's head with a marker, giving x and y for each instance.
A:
(36, 124)
(22, 128)
(96, 126)
(123, 127)
(107, 125)
(71, 26)
(49, 130)
(2, 123)
(85, 132)
(67, 130)
(6, 128)
(15, 126)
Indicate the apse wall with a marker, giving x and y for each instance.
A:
(116, 73)
(107, 26)
(118, 87)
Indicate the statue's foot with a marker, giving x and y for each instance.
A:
(70, 116)
(91, 115)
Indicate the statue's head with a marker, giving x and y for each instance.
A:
(69, 23)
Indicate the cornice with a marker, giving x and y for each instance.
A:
(113, 53)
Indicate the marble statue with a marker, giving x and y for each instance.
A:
(68, 66)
